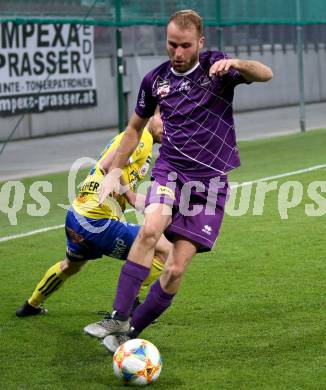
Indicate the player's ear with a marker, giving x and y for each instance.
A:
(201, 42)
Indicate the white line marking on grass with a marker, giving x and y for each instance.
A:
(31, 233)
(293, 173)
(37, 231)
(244, 184)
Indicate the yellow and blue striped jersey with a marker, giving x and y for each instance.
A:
(86, 203)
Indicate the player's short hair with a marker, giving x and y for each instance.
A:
(186, 18)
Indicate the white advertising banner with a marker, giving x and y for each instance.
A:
(46, 67)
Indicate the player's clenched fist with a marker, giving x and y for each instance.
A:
(221, 67)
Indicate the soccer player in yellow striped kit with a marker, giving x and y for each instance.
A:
(93, 231)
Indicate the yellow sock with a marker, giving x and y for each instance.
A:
(155, 272)
(51, 282)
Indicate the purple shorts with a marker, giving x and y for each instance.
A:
(197, 205)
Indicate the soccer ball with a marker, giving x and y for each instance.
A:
(137, 362)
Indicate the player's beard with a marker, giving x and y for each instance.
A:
(184, 66)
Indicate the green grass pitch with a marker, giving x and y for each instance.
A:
(250, 314)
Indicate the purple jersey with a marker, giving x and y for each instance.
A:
(199, 136)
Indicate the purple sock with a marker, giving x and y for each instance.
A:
(156, 302)
(131, 277)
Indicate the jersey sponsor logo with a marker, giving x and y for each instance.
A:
(133, 179)
(205, 81)
(119, 249)
(184, 86)
(163, 87)
(139, 148)
(75, 237)
(143, 169)
(207, 230)
(141, 101)
(82, 198)
(163, 190)
(91, 186)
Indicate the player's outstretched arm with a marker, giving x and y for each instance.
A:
(250, 70)
(128, 144)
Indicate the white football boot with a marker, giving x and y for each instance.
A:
(108, 326)
(112, 342)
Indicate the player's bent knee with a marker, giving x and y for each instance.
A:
(71, 267)
(149, 235)
(173, 273)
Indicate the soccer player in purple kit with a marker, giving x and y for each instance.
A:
(194, 92)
